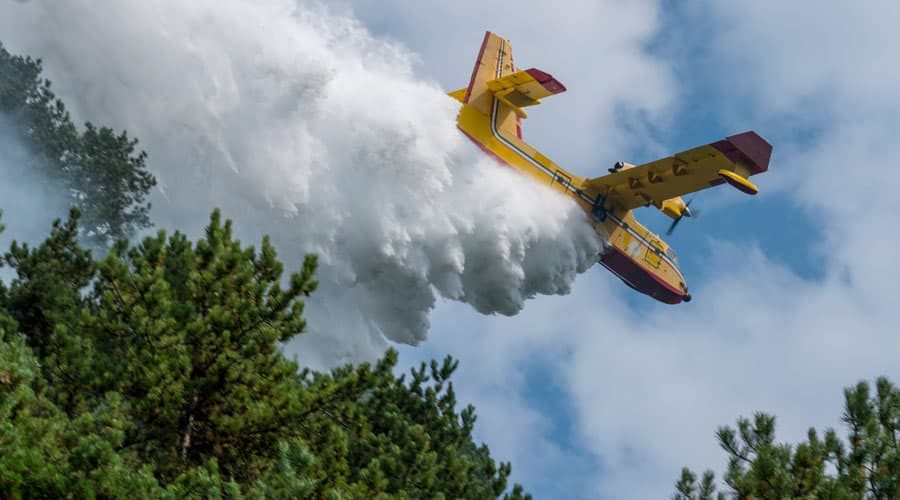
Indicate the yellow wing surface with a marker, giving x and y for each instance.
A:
(524, 88)
(730, 160)
(520, 89)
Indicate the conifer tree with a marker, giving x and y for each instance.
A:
(109, 182)
(159, 370)
(199, 327)
(46, 454)
(100, 170)
(47, 290)
(379, 432)
(866, 466)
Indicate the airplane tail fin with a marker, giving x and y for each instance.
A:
(495, 76)
(494, 61)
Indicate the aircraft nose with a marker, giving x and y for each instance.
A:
(687, 297)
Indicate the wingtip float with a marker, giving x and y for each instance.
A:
(491, 114)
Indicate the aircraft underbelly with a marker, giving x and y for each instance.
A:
(639, 277)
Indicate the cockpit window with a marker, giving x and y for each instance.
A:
(670, 253)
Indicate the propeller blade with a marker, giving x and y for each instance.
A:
(687, 209)
(687, 212)
(674, 224)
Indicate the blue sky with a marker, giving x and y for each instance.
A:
(320, 128)
(719, 70)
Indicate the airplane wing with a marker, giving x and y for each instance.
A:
(730, 160)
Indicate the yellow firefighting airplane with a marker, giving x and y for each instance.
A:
(491, 115)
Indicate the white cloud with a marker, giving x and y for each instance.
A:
(837, 56)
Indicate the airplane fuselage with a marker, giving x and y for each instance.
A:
(491, 118)
(633, 253)
(492, 108)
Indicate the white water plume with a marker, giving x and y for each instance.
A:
(300, 124)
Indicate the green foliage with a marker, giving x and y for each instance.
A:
(44, 453)
(687, 487)
(110, 183)
(101, 172)
(48, 283)
(157, 372)
(39, 116)
(383, 433)
(868, 466)
(209, 317)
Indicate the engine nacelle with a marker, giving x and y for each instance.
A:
(674, 207)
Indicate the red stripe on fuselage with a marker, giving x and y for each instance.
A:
(485, 149)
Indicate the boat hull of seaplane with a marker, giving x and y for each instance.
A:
(641, 279)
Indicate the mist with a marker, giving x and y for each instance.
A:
(28, 199)
(300, 124)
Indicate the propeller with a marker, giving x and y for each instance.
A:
(687, 212)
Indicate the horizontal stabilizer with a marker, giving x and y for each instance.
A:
(524, 88)
(459, 94)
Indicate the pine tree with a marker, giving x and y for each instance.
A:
(47, 289)
(158, 372)
(159, 369)
(40, 118)
(200, 327)
(101, 171)
(46, 454)
(379, 432)
(109, 182)
(867, 466)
